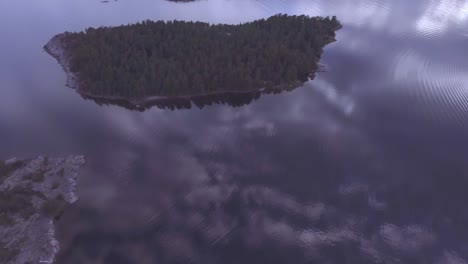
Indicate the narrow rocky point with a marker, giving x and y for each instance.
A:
(55, 48)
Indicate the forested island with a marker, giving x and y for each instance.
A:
(163, 60)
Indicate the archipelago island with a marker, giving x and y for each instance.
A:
(164, 60)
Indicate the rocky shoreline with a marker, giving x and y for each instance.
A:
(33, 195)
(55, 48)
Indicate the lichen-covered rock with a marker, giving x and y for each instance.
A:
(33, 193)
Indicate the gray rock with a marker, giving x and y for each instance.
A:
(32, 195)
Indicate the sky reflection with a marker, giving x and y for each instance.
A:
(373, 150)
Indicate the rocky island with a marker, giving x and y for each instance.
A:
(156, 61)
(33, 194)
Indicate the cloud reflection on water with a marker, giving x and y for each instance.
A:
(342, 164)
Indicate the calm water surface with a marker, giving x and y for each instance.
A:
(365, 164)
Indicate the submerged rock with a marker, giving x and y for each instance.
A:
(33, 194)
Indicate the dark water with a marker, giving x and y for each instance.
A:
(365, 164)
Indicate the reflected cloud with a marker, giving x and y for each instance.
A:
(440, 15)
(412, 239)
(343, 102)
(215, 181)
(374, 15)
(298, 175)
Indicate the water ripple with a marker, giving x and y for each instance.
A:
(438, 89)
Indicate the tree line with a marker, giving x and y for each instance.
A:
(177, 58)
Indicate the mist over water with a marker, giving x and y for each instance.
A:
(364, 164)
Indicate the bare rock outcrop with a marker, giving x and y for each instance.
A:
(33, 194)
